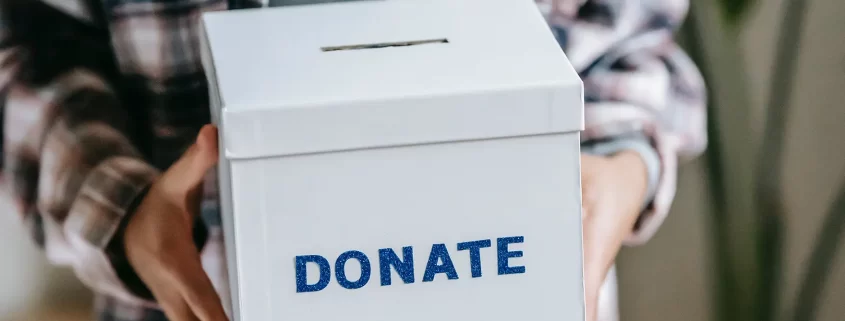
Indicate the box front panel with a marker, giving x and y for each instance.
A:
(484, 230)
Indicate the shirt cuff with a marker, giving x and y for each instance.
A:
(106, 196)
(116, 250)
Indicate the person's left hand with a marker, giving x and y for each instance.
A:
(613, 190)
(159, 239)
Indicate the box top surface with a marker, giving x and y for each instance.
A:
(364, 74)
(316, 54)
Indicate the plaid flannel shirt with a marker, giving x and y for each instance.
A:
(81, 145)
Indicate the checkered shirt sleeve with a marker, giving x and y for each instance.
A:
(636, 81)
(71, 169)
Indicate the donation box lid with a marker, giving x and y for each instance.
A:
(367, 74)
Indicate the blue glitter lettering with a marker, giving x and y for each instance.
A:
(302, 277)
(340, 272)
(404, 267)
(439, 253)
(504, 255)
(474, 248)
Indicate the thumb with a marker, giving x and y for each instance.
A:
(187, 173)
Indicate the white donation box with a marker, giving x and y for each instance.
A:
(409, 160)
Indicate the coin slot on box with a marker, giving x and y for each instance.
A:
(385, 45)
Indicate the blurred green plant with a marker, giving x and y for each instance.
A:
(735, 10)
(760, 298)
(768, 184)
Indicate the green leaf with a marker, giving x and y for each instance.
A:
(819, 266)
(735, 10)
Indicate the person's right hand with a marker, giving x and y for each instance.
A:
(158, 238)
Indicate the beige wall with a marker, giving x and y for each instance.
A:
(21, 274)
(668, 278)
(31, 289)
(815, 165)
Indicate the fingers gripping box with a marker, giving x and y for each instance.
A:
(398, 160)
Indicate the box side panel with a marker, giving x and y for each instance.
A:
(249, 192)
(207, 59)
(228, 224)
(411, 120)
(417, 197)
(567, 108)
(224, 180)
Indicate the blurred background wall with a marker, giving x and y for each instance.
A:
(667, 279)
(31, 289)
